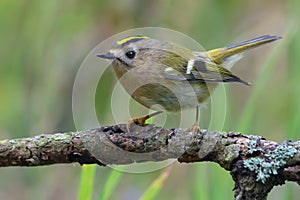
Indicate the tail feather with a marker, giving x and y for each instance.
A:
(223, 54)
(253, 42)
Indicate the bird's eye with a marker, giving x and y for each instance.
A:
(130, 54)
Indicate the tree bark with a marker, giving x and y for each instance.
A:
(255, 164)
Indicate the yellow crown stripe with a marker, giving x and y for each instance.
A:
(130, 38)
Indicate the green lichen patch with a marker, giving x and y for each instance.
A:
(253, 145)
(271, 162)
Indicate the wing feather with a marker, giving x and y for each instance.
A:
(203, 70)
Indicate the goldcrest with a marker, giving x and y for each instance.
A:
(162, 75)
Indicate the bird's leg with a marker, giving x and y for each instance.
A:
(141, 120)
(195, 128)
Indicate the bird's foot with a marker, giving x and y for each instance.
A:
(195, 129)
(140, 121)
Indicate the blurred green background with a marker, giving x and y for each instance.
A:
(44, 42)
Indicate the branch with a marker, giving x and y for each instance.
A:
(256, 164)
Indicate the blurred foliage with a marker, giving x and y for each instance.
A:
(86, 182)
(44, 42)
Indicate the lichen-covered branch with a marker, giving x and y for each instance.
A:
(256, 164)
(45, 149)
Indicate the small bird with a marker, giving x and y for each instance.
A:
(165, 76)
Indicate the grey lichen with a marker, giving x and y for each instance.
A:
(271, 162)
(253, 145)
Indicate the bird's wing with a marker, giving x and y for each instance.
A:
(199, 69)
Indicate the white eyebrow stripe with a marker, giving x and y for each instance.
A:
(190, 66)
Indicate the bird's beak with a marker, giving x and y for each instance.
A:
(107, 55)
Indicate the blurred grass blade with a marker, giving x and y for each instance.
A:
(156, 185)
(110, 184)
(267, 69)
(200, 187)
(293, 87)
(86, 182)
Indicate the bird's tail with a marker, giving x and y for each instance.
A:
(232, 53)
